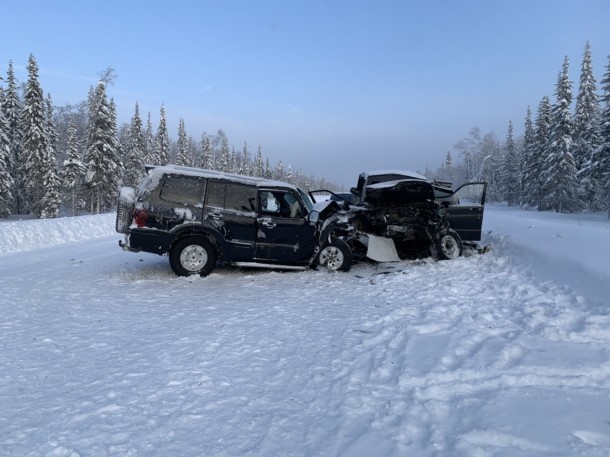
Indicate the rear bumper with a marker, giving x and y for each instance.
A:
(146, 240)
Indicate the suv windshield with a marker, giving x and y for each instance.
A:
(306, 200)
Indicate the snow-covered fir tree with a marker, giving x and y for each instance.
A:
(509, 170)
(207, 153)
(448, 160)
(600, 163)
(6, 179)
(34, 139)
(528, 156)
(268, 170)
(73, 170)
(259, 167)
(245, 167)
(289, 177)
(182, 153)
(586, 117)
(149, 141)
(51, 199)
(586, 128)
(161, 154)
(279, 171)
(102, 159)
(225, 153)
(12, 108)
(559, 169)
(192, 149)
(536, 181)
(234, 160)
(135, 151)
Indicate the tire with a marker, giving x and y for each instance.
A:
(193, 255)
(448, 246)
(125, 208)
(335, 256)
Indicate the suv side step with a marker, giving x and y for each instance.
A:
(267, 265)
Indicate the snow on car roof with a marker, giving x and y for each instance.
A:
(192, 171)
(405, 173)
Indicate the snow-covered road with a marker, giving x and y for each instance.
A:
(107, 353)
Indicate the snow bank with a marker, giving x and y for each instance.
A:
(569, 249)
(34, 234)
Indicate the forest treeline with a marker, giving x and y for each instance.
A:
(74, 158)
(562, 161)
(70, 159)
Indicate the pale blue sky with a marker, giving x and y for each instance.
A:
(333, 87)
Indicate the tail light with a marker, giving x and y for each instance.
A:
(140, 217)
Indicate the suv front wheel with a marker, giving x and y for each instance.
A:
(192, 255)
(335, 256)
(448, 246)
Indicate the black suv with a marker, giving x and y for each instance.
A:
(197, 217)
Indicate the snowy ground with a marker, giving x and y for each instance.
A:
(107, 353)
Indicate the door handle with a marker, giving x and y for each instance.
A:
(267, 223)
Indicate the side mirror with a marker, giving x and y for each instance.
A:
(314, 216)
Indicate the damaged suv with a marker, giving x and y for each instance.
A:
(198, 217)
(397, 215)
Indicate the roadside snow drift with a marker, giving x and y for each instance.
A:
(107, 353)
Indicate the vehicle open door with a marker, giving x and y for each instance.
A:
(465, 210)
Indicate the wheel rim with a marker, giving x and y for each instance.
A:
(193, 258)
(450, 247)
(331, 257)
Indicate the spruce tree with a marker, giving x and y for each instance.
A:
(51, 199)
(600, 163)
(586, 128)
(6, 179)
(12, 108)
(279, 171)
(136, 151)
(104, 168)
(541, 152)
(528, 177)
(207, 155)
(73, 170)
(245, 167)
(225, 153)
(560, 170)
(259, 168)
(34, 140)
(509, 174)
(161, 154)
(182, 153)
(149, 142)
(268, 170)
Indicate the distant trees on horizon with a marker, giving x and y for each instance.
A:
(562, 161)
(74, 158)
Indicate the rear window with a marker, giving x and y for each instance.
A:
(236, 197)
(188, 190)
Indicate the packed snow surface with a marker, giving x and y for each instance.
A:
(107, 353)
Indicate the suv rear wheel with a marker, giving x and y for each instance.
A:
(192, 255)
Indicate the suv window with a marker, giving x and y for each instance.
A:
(237, 197)
(280, 203)
(188, 190)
